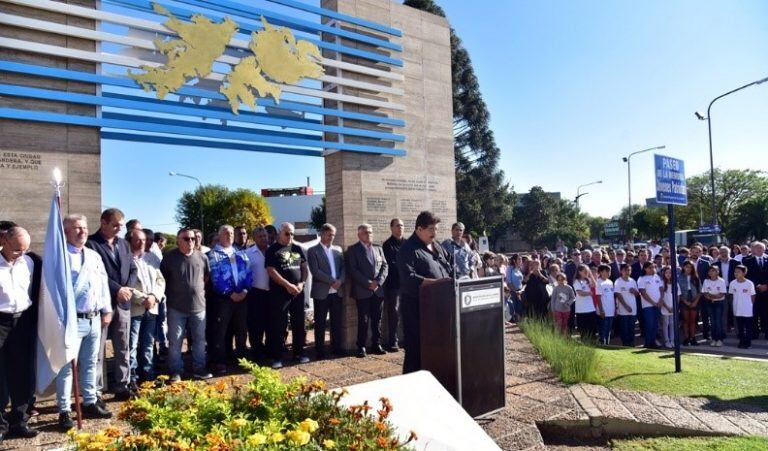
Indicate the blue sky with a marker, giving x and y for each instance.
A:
(572, 86)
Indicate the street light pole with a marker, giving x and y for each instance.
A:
(578, 189)
(711, 157)
(628, 160)
(200, 200)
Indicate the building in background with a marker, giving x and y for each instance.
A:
(294, 205)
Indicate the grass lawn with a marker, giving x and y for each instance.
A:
(692, 444)
(719, 378)
(716, 378)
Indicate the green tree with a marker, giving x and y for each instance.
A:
(317, 216)
(484, 199)
(596, 226)
(541, 220)
(750, 220)
(222, 206)
(733, 187)
(651, 223)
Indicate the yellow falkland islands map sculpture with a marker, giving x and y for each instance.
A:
(278, 57)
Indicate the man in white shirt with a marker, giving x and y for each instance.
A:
(18, 327)
(149, 291)
(258, 295)
(326, 264)
(654, 248)
(94, 313)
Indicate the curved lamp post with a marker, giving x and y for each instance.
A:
(627, 160)
(202, 222)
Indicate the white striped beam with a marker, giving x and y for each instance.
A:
(156, 27)
(68, 30)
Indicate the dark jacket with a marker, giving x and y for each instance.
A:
(732, 263)
(391, 247)
(415, 263)
(121, 271)
(758, 275)
(362, 273)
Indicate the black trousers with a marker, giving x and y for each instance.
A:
(706, 320)
(228, 312)
(279, 307)
(391, 306)
(257, 320)
(369, 315)
(410, 314)
(587, 326)
(744, 330)
(331, 304)
(17, 355)
(760, 315)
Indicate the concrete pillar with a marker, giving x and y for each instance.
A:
(30, 150)
(374, 189)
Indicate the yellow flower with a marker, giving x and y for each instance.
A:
(298, 437)
(238, 423)
(277, 437)
(308, 425)
(257, 439)
(329, 444)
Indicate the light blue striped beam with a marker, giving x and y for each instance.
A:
(339, 16)
(256, 132)
(171, 141)
(57, 118)
(86, 77)
(183, 109)
(249, 27)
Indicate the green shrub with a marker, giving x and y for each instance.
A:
(264, 413)
(572, 361)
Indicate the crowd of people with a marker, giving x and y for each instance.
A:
(603, 291)
(243, 295)
(148, 299)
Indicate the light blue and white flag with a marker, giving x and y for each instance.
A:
(57, 317)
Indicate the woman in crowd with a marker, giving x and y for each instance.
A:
(489, 265)
(501, 262)
(586, 318)
(515, 285)
(714, 252)
(690, 288)
(535, 292)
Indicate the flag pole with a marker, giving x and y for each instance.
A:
(57, 184)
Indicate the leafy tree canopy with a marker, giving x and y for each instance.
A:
(240, 207)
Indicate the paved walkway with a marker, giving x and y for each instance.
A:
(536, 401)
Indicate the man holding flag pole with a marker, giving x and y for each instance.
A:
(92, 303)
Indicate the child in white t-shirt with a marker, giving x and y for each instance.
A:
(666, 307)
(743, 292)
(607, 303)
(586, 319)
(651, 293)
(713, 288)
(625, 289)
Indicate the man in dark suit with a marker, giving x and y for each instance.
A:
(702, 262)
(368, 268)
(757, 272)
(116, 254)
(619, 260)
(392, 285)
(326, 264)
(726, 265)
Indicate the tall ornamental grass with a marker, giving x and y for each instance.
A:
(572, 361)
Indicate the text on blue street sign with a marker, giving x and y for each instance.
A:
(670, 181)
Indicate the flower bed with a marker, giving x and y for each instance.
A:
(263, 413)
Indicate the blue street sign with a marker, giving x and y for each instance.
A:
(709, 228)
(670, 181)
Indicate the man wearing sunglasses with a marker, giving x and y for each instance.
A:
(17, 331)
(286, 265)
(186, 271)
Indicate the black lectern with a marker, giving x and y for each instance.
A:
(462, 340)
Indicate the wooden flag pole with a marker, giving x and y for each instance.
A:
(76, 390)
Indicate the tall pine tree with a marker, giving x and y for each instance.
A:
(485, 202)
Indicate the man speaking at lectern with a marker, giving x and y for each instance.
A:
(421, 260)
